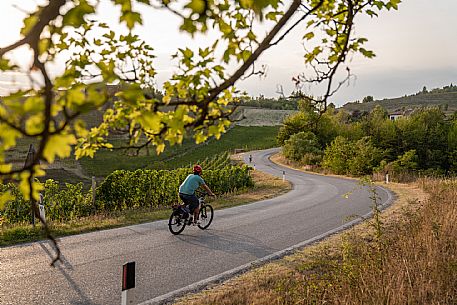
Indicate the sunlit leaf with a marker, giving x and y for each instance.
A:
(4, 198)
(58, 145)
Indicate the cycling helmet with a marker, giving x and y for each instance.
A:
(198, 169)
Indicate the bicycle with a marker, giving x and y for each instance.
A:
(180, 217)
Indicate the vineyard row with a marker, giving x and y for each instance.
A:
(121, 190)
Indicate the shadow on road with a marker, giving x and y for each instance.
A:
(229, 242)
(62, 266)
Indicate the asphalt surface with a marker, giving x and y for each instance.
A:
(92, 263)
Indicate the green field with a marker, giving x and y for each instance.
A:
(240, 137)
(105, 161)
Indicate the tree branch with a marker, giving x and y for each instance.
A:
(265, 44)
(297, 23)
(48, 13)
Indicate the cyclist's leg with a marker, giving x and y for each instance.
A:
(194, 204)
(185, 199)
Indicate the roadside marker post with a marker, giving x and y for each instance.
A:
(387, 178)
(42, 212)
(128, 283)
(283, 176)
(94, 192)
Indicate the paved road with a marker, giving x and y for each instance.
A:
(91, 271)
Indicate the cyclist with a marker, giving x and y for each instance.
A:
(187, 191)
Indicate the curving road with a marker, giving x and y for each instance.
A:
(91, 270)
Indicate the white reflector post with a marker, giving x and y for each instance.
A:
(128, 283)
(42, 212)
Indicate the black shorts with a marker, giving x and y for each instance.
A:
(190, 200)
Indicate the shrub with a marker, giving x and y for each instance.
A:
(303, 146)
(16, 210)
(67, 203)
(337, 155)
(151, 188)
(61, 204)
(121, 190)
(365, 157)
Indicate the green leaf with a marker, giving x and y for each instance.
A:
(4, 198)
(197, 6)
(75, 16)
(308, 35)
(371, 13)
(271, 16)
(5, 168)
(58, 145)
(188, 53)
(8, 136)
(367, 53)
(188, 26)
(245, 55)
(6, 65)
(204, 52)
(131, 18)
(29, 23)
(150, 121)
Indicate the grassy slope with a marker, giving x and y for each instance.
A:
(105, 161)
(248, 138)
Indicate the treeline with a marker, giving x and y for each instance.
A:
(281, 103)
(445, 89)
(121, 190)
(425, 141)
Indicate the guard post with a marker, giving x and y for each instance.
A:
(41, 209)
(94, 193)
(128, 283)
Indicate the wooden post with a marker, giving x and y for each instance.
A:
(94, 187)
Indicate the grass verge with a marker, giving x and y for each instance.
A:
(413, 261)
(266, 186)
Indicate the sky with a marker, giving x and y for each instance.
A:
(415, 46)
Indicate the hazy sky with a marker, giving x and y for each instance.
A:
(416, 46)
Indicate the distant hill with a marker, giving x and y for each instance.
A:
(446, 98)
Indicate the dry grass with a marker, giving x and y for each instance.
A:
(414, 261)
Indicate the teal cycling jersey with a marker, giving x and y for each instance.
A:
(191, 183)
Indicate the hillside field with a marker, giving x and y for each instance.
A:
(240, 137)
(446, 100)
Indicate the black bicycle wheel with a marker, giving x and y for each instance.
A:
(206, 216)
(176, 224)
